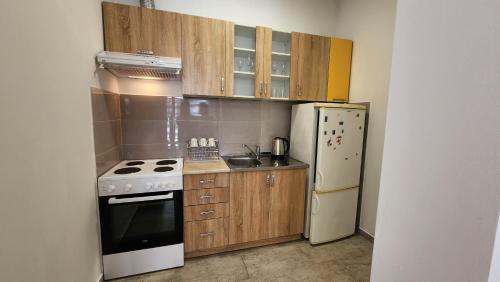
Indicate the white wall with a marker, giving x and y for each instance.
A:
(370, 24)
(47, 196)
(440, 186)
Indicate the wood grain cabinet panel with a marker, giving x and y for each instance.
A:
(204, 56)
(122, 27)
(287, 196)
(161, 32)
(209, 180)
(132, 29)
(310, 61)
(204, 212)
(205, 234)
(205, 196)
(248, 206)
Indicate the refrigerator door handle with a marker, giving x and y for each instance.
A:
(320, 178)
(316, 205)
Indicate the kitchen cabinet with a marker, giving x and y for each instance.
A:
(261, 63)
(206, 211)
(309, 71)
(204, 46)
(339, 72)
(205, 234)
(248, 206)
(286, 212)
(131, 29)
(266, 204)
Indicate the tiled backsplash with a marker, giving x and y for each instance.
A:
(159, 126)
(107, 129)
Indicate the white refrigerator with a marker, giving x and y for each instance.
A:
(329, 137)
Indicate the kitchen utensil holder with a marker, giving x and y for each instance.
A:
(204, 153)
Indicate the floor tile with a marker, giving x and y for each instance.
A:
(345, 260)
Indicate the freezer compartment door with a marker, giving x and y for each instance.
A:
(339, 148)
(333, 215)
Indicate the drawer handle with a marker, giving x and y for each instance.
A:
(206, 212)
(206, 197)
(206, 234)
(203, 181)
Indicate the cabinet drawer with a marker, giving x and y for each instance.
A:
(203, 212)
(209, 180)
(206, 196)
(205, 234)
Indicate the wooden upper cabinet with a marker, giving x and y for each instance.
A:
(263, 60)
(248, 206)
(339, 73)
(204, 56)
(310, 62)
(131, 29)
(287, 192)
(161, 32)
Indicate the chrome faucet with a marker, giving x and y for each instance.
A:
(255, 153)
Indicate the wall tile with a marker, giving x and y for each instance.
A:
(240, 132)
(105, 107)
(107, 135)
(143, 107)
(152, 151)
(190, 129)
(240, 110)
(107, 160)
(198, 109)
(145, 131)
(157, 127)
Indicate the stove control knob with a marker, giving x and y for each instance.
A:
(169, 185)
(157, 185)
(164, 185)
(128, 187)
(111, 188)
(149, 186)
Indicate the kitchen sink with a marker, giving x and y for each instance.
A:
(243, 162)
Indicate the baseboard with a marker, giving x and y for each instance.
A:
(100, 278)
(367, 235)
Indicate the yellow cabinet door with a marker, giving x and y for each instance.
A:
(339, 73)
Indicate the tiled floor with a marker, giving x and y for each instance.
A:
(344, 260)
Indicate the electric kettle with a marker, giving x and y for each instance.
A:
(280, 147)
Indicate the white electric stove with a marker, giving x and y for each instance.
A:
(141, 217)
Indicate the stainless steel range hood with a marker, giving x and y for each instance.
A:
(140, 66)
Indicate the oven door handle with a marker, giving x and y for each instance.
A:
(114, 200)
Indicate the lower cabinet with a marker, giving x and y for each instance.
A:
(266, 204)
(205, 234)
(257, 207)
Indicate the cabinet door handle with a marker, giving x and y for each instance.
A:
(206, 234)
(206, 212)
(206, 197)
(261, 88)
(273, 180)
(203, 181)
(145, 52)
(222, 84)
(300, 90)
(268, 180)
(265, 89)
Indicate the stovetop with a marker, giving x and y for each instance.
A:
(141, 176)
(130, 169)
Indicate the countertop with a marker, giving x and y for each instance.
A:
(200, 167)
(270, 164)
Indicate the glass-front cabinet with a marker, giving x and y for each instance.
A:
(244, 61)
(261, 63)
(280, 65)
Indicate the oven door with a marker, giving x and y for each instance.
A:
(140, 221)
